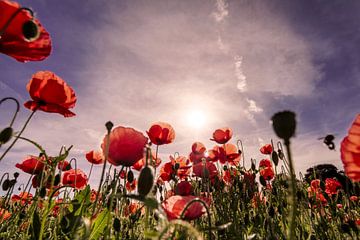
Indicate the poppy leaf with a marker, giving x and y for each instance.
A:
(100, 224)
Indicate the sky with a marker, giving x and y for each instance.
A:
(198, 65)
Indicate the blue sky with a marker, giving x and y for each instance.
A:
(235, 63)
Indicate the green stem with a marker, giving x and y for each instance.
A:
(291, 232)
(18, 136)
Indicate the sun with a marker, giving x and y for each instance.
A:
(196, 119)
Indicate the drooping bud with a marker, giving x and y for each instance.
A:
(284, 124)
(5, 135)
(145, 181)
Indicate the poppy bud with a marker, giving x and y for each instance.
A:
(6, 185)
(16, 174)
(109, 125)
(6, 135)
(275, 158)
(145, 181)
(262, 181)
(30, 31)
(284, 124)
(130, 176)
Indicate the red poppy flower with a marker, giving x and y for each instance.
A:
(126, 146)
(23, 198)
(230, 175)
(267, 173)
(350, 151)
(196, 157)
(131, 209)
(161, 133)
(222, 135)
(207, 170)
(266, 149)
(354, 198)
(75, 178)
(315, 191)
(22, 36)
(332, 186)
(265, 163)
(95, 157)
(175, 205)
(4, 215)
(198, 148)
(32, 165)
(131, 186)
(141, 163)
(176, 167)
(229, 153)
(64, 165)
(50, 94)
(183, 188)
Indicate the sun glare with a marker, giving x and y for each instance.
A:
(196, 119)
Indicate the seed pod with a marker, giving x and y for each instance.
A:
(30, 30)
(284, 124)
(6, 135)
(145, 181)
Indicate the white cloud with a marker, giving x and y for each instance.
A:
(221, 10)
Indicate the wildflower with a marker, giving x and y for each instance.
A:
(64, 165)
(354, 198)
(198, 148)
(183, 188)
(229, 153)
(265, 163)
(315, 191)
(222, 135)
(126, 146)
(161, 133)
(332, 186)
(207, 170)
(141, 163)
(229, 175)
(350, 151)
(23, 198)
(75, 178)
(50, 94)
(32, 164)
(175, 205)
(95, 157)
(21, 35)
(179, 166)
(131, 186)
(267, 173)
(4, 215)
(266, 149)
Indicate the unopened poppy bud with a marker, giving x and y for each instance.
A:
(284, 124)
(6, 185)
(130, 176)
(117, 224)
(6, 135)
(145, 181)
(275, 158)
(30, 30)
(109, 125)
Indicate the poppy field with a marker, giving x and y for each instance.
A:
(209, 193)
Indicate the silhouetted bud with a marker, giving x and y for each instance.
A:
(284, 124)
(5, 135)
(145, 181)
(109, 125)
